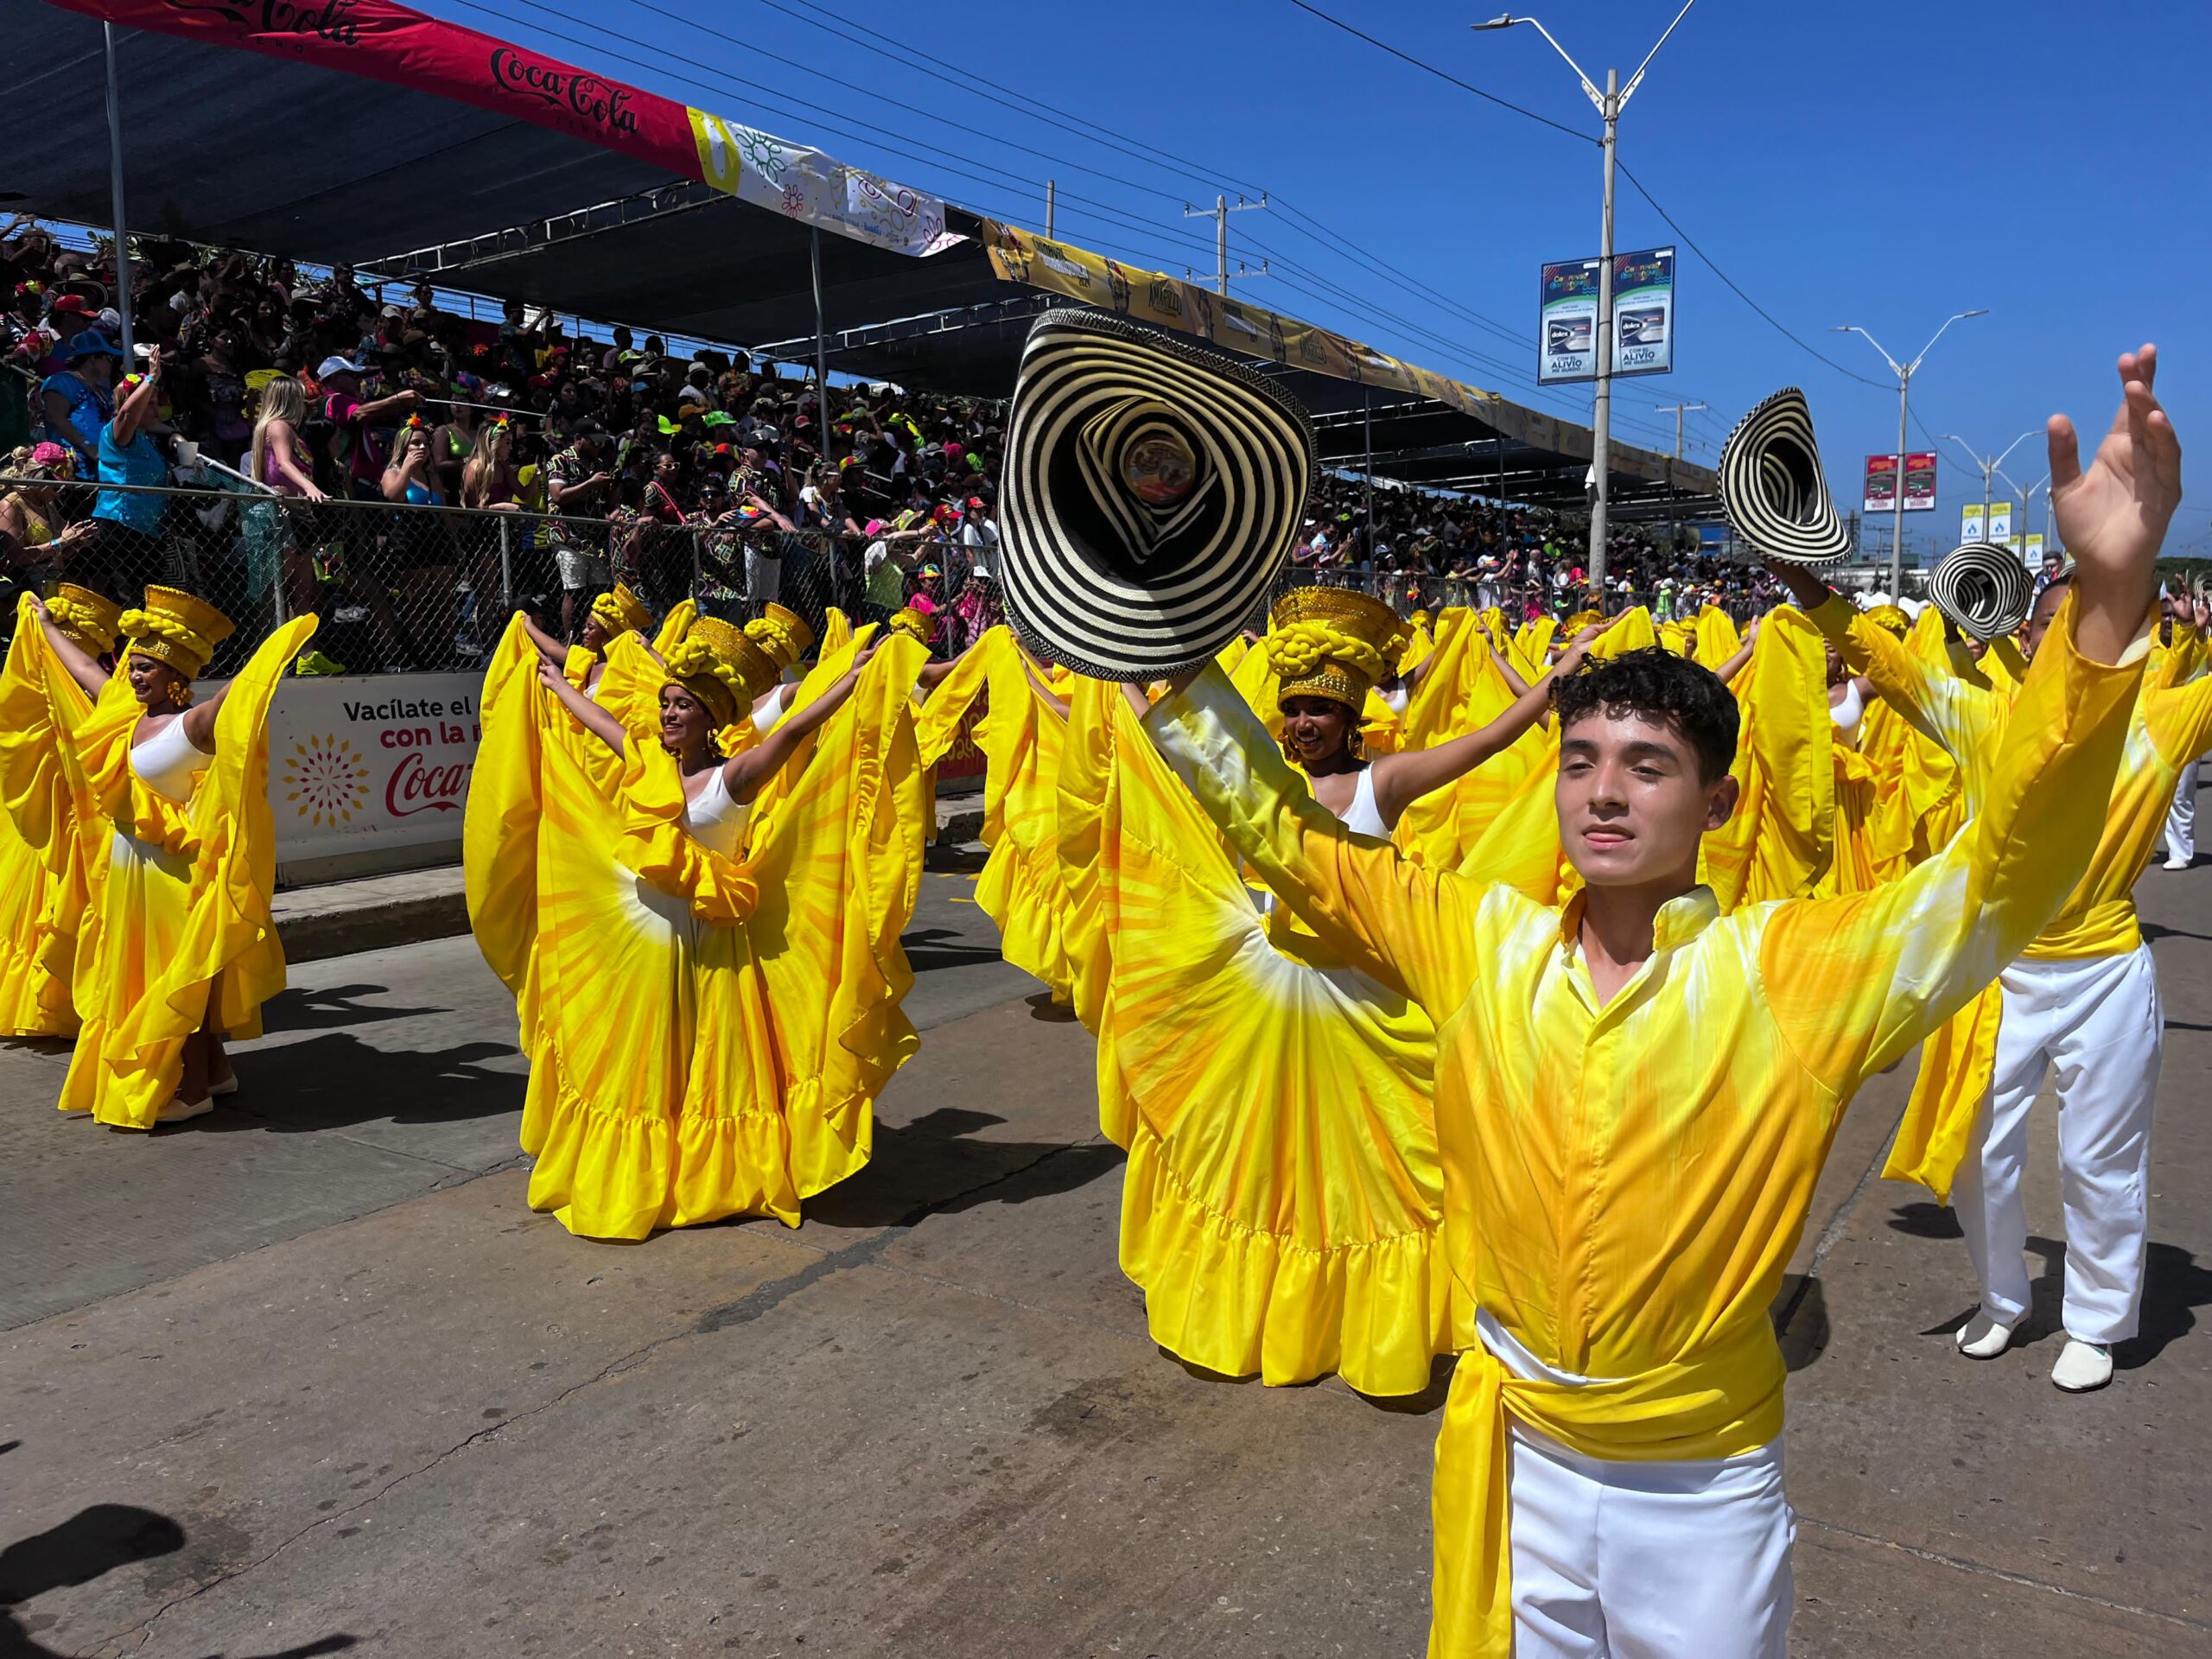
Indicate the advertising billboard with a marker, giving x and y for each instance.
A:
(1644, 317)
(1881, 484)
(1970, 522)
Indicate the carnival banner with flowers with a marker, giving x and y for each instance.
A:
(360, 763)
(1020, 256)
(383, 41)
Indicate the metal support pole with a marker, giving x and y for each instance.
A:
(821, 344)
(115, 193)
(1221, 243)
(506, 564)
(1051, 191)
(1602, 413)
(1497, 408)
(1896, 508)
(1367, 421)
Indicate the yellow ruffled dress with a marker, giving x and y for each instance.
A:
(1283, 1194)
(176, 923)
(41, 876)
(707, 1035)
(1022, 732)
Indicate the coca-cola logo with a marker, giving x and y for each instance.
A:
(416, 785)
(601, 103)
(331, 20)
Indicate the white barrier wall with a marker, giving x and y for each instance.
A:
(370, 764)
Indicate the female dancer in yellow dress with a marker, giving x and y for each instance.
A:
(1283, 1192)
(41, 881)
(171, 802)
(706, 959)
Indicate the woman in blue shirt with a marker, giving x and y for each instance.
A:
(77, 399)
(127, 553)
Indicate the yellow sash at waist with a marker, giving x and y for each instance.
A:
(1722, 1401)
(2104, 930)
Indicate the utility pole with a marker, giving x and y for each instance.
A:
(1609, 104)
(1904, 372)
(1052, 188)
(1675, 525)
(1989, 466)
(1219, 214)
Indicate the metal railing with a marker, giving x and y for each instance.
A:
(402, 586)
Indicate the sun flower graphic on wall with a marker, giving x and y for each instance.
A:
(327, 780)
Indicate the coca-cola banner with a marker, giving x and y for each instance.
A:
(363, 762)
(385, 42)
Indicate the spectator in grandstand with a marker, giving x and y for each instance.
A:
(126, 552)
(360, 449)
(576, 483)
(34, 541)
(79, 397)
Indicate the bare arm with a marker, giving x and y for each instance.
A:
(548, 647)
(1729, 669)
(398, 404)
(277, 446)
(589, 715)
(88, 674)
(135, 411)
(744, 773)
(1402, 779)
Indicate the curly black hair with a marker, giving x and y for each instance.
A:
(1660, 685)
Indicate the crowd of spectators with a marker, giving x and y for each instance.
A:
(334, 426)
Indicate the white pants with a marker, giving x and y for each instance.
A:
(2098, 1022)
(2181, 819)
(1645, 1560)
(763, 577)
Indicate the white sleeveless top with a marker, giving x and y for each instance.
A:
(168, 763)
(1363, 818)
(716, 817)
(1850, 710)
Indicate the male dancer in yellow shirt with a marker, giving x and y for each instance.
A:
(2081, 1000)
(1635, 1094)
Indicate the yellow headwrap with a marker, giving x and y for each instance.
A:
(621, 611)
(915, 623)
(175, 629)
(1331, 642)
(782, 634)
(88, 619)
(717, 663)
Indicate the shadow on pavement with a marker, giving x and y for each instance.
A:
(925, 953)
(89, 1544)
(299, 1009)
(336, 1080)
(931, 1166)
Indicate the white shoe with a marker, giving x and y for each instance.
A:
(178, 1110)
(2082, 1366)
(1982, 1337)
(2176, 864)
(228, 1086)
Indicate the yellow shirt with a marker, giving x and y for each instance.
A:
(2169, 726)
(1623, 1182)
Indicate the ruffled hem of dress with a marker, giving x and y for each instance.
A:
(33, 1002)
(1223, 1294)
(1031, 912)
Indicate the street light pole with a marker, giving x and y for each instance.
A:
(2027, 506)
(1988, 465)
(1609, 104)
(1904, 372)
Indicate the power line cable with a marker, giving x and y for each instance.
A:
(1464, 86)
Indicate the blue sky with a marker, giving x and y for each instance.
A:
(1883, 164)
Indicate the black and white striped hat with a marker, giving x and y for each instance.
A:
(1983, 588)
(1151, 491)
(1772, 487)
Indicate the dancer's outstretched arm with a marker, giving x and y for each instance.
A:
(593, 718)
(744, 773)
(1402, 779)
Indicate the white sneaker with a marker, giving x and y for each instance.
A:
(2082, 1366)
(1982, 1337)
(228, 1086)
(178, 1110)
(2176, 864)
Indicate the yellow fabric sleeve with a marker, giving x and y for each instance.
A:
(1855, 981)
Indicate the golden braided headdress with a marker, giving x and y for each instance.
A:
(1331, 642)
(175, 629)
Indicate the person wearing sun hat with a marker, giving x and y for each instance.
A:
(41, 867)
(1634, 1093)
(170, 795)
(687, 1064)
(2081, 997)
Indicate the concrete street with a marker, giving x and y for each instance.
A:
(308, 1377)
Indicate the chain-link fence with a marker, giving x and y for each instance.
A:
(402, 586)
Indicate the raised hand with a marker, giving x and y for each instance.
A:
(2112, 515)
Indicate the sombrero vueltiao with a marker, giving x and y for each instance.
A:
(1984, 589)
(1151, 492)
(1772, 487)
